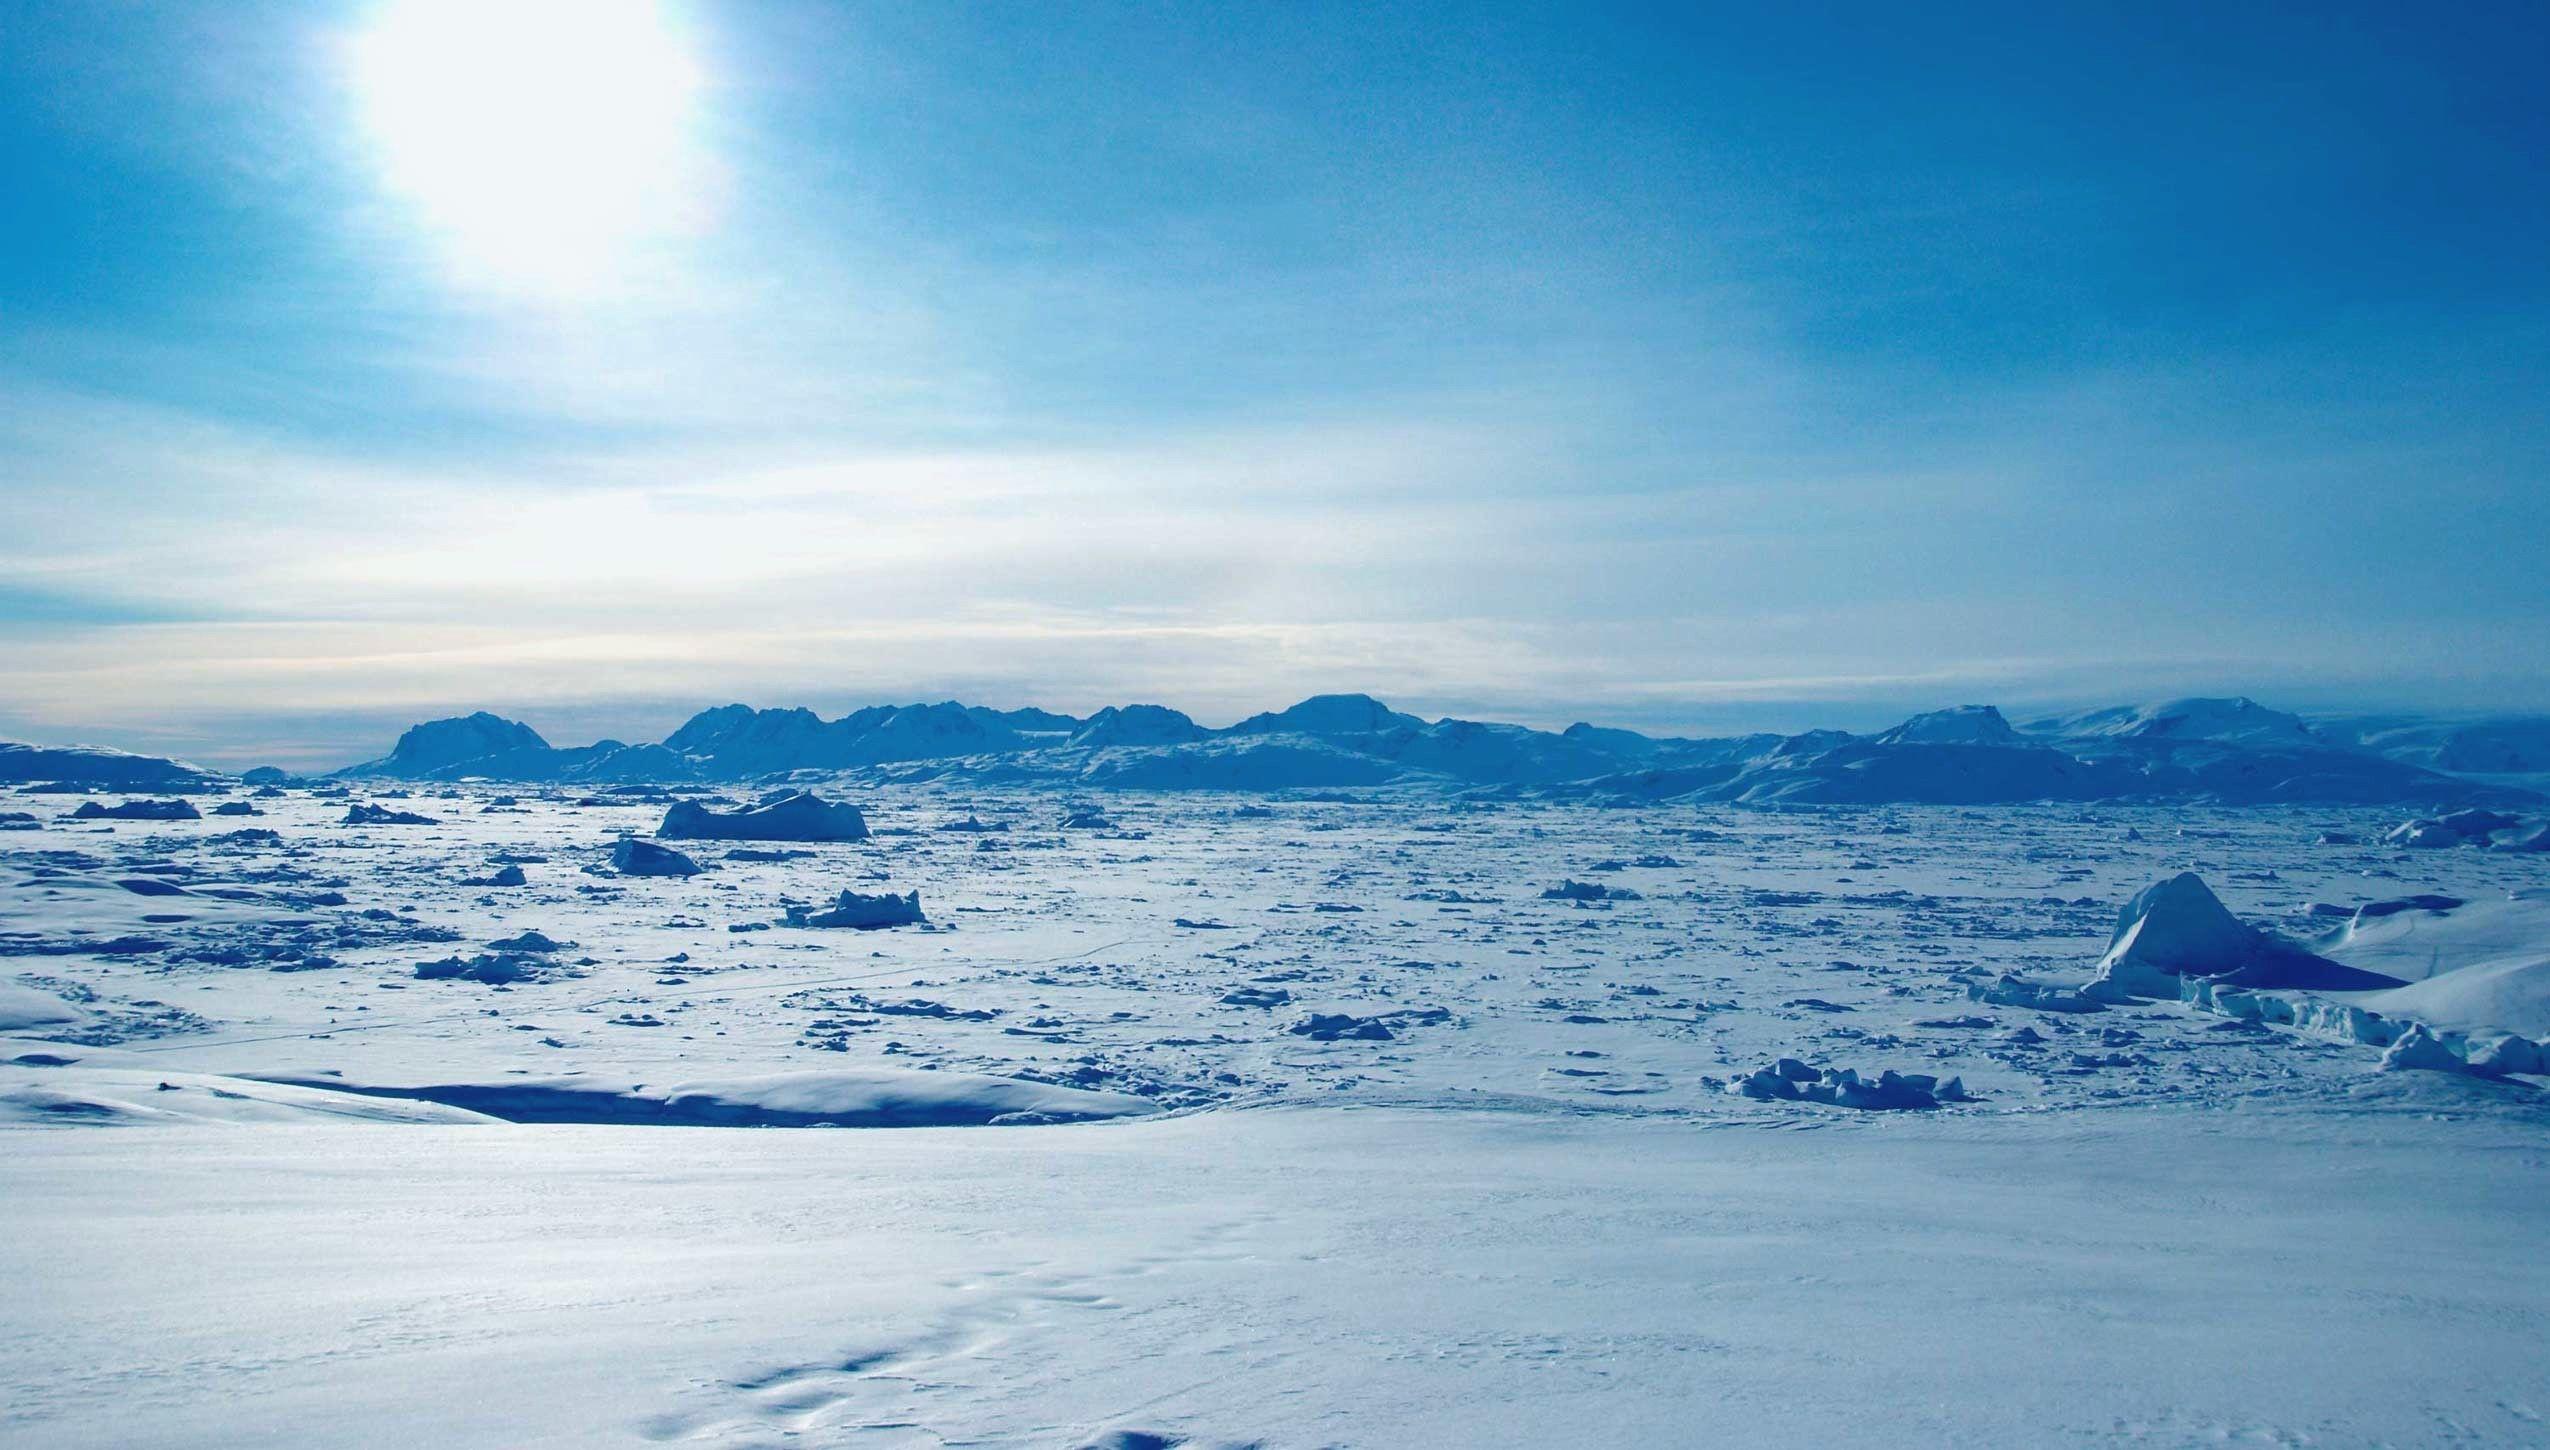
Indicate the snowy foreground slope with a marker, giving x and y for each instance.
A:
(2141, 1276)
(389, 1115)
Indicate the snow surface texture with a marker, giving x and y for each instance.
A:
(1399, 1119)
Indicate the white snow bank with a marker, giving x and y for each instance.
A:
(58, 905)
(2415, 944)
(2483, 1004)
(22, 1007)
(846, 1098)
(2510, 993)
(51, 1088)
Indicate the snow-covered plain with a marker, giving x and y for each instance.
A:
(1394, 1120)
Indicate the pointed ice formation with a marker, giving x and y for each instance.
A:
(2178, 928)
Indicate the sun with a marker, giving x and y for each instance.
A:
(541, 140)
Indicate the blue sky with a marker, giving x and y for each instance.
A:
(1684, 367)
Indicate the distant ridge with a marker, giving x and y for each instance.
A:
(2228, 750)
(93, 765)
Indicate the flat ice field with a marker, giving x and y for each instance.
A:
(1184, 1120)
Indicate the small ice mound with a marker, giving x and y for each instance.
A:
(2178, 928)
(861, 912)
(2538, 841)
(1789, 1080)
(1089, 820)
(2498, 1056)
(635, 857)
(1134, 1440)
(503, 876)
(2418, 1050)
(1340, 1027)
(372, 815)
(496, 969)
(167, 810)
(1573, 890)
(2511, 994)
(2016, 991)
(797, 816)
(526, 956)
(1380, 1027)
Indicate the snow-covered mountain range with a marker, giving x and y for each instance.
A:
(2227, 750)
(2233, 750)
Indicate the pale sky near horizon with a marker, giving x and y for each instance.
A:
(1687, 367)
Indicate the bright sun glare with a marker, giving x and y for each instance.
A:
(543, 139)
